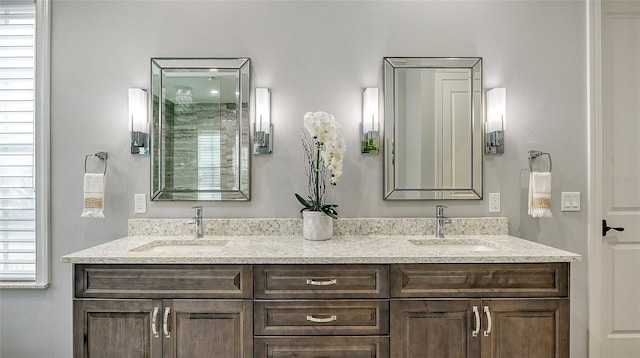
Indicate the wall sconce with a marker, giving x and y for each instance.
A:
(496, 119)
(138, 121)
(262, 141)
(370, 142)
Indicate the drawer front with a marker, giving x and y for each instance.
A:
(321, 281)
(297, 318)
(480, 280)
(163, 281)
(325, 347)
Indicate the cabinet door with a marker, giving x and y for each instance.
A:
(116, 329)
(526, 328)
(434, 329)
(208, 328)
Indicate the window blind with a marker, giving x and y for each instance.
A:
(17, 151)
(209, 172)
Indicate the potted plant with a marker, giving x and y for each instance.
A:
(324, 153)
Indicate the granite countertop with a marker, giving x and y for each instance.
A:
(355, 249)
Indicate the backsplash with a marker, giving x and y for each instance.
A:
(342, 227)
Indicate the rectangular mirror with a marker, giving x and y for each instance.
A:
(200, 129)
(433, 128)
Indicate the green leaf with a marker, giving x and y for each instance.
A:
(303, 201)
(331, 213)
(329, 210)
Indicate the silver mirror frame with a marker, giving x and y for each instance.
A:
(161, 192)
(391, 190)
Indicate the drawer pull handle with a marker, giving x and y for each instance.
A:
(476, 315)
(154, 322)
(331, 318)
(313, 282)
(165, 322)
(486, 311)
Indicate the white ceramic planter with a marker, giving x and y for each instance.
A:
(316, 225)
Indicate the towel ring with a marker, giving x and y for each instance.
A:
(533, 154)
(99, 155)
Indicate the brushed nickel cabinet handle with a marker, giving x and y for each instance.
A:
(154, 322)
(313, 282)
(312, 318)
(486, 312)
(476, 315)
(165, 322)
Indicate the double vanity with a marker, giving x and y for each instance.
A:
(379, 288)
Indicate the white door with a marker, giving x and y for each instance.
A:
(454, 127)
(620, 295)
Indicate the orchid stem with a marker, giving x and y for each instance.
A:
(318, 176)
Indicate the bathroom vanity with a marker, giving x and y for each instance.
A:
(353, 296)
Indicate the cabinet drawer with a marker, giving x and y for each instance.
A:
(480, 280)
(321, 281)
(325, 347)
(321, 317)
(163, 281)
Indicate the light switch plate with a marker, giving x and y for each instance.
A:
(570, 201)
(140, 203)
(494, 202)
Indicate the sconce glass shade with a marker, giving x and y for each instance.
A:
(496, 120)
(370, 142)
(262, 141)
(138, 121)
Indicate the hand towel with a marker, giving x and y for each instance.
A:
(93, 196)
(540, 194)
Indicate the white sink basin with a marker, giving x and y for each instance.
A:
(457, 245)
(181, 246)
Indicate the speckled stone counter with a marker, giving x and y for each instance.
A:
(280, 241)
(339, 250)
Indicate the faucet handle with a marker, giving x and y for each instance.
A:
(440, 211)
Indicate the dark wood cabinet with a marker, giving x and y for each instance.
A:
(160, 322)
(502, 328)
(535, 328)
(434, 329)
(463, 310)
(328, 311)
(208, 328)
(115, 329)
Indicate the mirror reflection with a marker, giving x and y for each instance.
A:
(200, 131)
(433, 128)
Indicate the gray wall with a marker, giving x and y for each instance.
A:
(314, 55)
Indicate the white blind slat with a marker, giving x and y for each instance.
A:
(17, 192)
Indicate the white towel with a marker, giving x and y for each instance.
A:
(93, 196)
(540, 194)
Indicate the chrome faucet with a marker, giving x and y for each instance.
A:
(197, 221)
(440, 221)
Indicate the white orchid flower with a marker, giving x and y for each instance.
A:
(326, 150)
